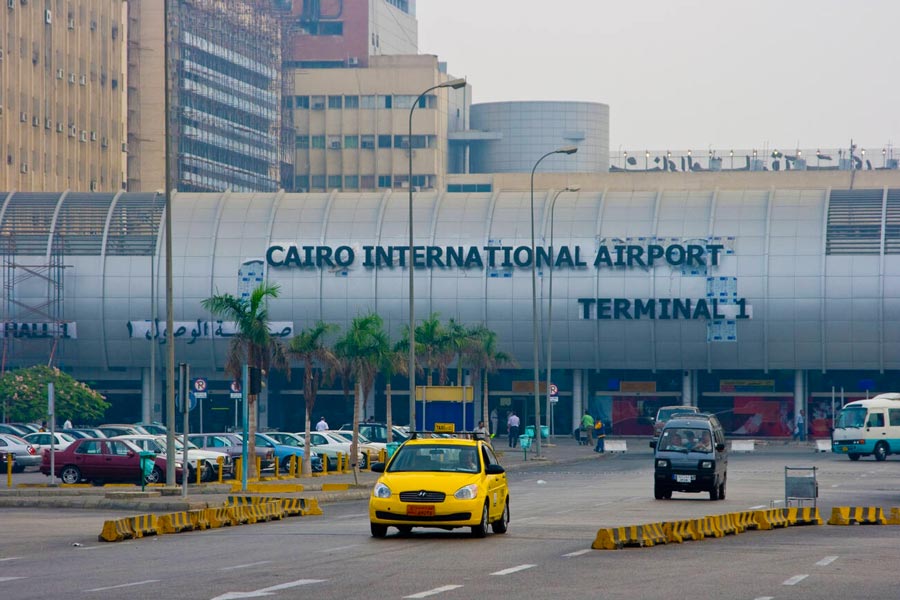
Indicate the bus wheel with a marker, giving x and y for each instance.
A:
(881, 451)
(853, 456)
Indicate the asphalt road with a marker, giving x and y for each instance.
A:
(556, 511)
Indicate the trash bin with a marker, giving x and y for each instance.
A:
(391, 448)
(529, 431)
(525, 441)
(148, 461)
(545, 432)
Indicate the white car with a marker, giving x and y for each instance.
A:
(330, 445)
(41, 441)
(209, 458)
(365, 444)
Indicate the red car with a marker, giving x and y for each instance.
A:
(95, 459)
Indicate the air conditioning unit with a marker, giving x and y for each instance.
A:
(24, 168)
(35, 121)
(72, 23)
(93, 25)
(10, 4)
(59, 128)
(23, 117)
(48, 123)
(124, 147)
(48, 17)
(104, 143)
(73, 132)
(60, 74)
(353, 61)
(83, 80)
(71, 77)
(93, 136)
(335, 145)
(93, 185)
(83, 135)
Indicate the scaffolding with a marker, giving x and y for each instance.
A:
(227, 87)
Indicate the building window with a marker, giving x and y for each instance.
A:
(351, 141)
(385, 101)
(317, 102)
(334, 181)
(301, 141)
(384, 141)
(367, 142)
(334, 142)
(400, 180)
(351, 182)
(469, 187)
(351, 101)
(318, 182)
(367, 182)
(301, 101)
(318, 141)
(335, 102)
(301, 183)
(384, 181)
(324, 28)
(401, 141)
(367, 102)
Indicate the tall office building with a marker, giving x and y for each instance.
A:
(225, 103)
(62, 95)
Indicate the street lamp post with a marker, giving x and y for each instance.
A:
(170, 334)
(534, 315)
(455, 84)
(568, 188)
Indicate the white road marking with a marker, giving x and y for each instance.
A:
(826, 561)
(794, 580)
(439, 590)
(10, 558)
(577, 553)
(267, 591)
(513, 569)
(124, 585)
(339, 548)
(359, 516)
(765, 598)
(835, 485)
(262, 562)
(758, 507)
(525, 519)
(2, 579)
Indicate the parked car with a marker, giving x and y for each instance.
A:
(27, 427)
(152, 428)
(157, 444)
(42, 440)
(11, 429)
(377, 432)
(115, 429)
(98, 460)
(84, 432)
(283, 452)
(330, 445)
(210, 442)
(365, 444)
(24, 454)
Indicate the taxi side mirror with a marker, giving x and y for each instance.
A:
(494, 469)
(720, 447)
(652, 444)
(378, 467)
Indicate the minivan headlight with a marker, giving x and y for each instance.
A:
(706, 464)
(467, 492)
(381, 491)
(662, 463)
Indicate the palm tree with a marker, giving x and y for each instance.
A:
(483, 357)
(431, 345)
(396, 363)
(253, 344)
(309, 348)
(458, 338)
(364, 348)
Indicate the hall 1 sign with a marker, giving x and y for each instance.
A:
(66, 331)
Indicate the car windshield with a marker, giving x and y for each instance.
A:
(685, 439)
(289, 440)
(851, 416)
(435, 457)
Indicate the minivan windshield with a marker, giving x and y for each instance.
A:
(685, 439)
(851, 416)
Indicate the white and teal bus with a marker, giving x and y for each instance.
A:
(868, 427)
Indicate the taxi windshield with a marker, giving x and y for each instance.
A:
(436, 457)
(852, 416)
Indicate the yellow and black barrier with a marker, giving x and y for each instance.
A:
(640, 536)
(770, 519)
(725, 523)
(680, 531)
(857, 515)
(707, 527)
(144, 525)
(117, 530)
(746, 520)
(894, 518)
(802, 516)
(174, 522)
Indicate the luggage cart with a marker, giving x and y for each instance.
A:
(800, 486)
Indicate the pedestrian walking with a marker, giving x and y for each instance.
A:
(587, 427)
(800, 426)
(322, 425)
(512, 425)
(67, 424)
(494, 419)
(482, 431)
(601, 437)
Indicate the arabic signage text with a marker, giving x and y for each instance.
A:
(199, 329)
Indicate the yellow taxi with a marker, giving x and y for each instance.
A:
(440, 482)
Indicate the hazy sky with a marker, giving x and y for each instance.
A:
(687, 73)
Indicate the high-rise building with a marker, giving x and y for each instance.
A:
(225, 102)
(62, 95)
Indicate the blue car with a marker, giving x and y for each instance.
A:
(284, 448)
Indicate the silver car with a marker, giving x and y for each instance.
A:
(24, 454)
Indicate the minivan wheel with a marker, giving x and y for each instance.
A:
(853, 456)
(722, 491)
(714, 492)
(659, 492)
(881, 451)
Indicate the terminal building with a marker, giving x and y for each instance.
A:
(749, 294)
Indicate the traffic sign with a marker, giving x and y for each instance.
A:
(236, 390)
(553, 389)
(554, 399)
(199, 387)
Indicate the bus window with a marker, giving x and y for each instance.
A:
(894, 417)
(876, 420)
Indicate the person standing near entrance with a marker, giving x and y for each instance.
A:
(494, 419)
(601, 437)
(322, 425)
(512, 425)
(587, 427)
(800, 426)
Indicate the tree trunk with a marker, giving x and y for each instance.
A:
(354, 444)
(484, 407)
(388, 414)
(307, 450)
(252, 473)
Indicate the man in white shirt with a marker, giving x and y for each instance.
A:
(67, 424)
(322, 425)
(512, 424)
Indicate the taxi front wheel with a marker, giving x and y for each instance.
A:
(378, 530)
(480, 530)
(503, 524)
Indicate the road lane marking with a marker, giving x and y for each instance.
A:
(359, 516)
(255, 564)
(2, 579)
(525, 519)
(10, 558)
(513, 569)
(438, 590)
(765, 598)
(835, 485)
(339, 548)
(577, 553)
(826, 561)
(758, 507)
(794, 580)
(124, 585)
(268, 590)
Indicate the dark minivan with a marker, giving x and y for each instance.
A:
(690, 457)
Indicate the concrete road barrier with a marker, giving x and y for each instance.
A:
(615, 445)
(746, 520)
(823, 445)
(857, 515)
(680, 531)
(770, 519)
(634, 535)
(116, 531)
(743, 445)
(174, 522)
(894, 518)
(802, 516)
(144, 525)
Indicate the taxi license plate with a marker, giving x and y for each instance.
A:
(420, 511)
(684, 478)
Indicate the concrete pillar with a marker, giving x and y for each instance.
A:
(262, 409)
(799, 396)
(687, 388)
(579, 401)
(146, 400)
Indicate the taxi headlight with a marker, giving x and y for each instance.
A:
(706, 464)
(662, 463)
(467, 492)
(381, 491)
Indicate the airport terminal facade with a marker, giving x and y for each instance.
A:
(751, 295)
